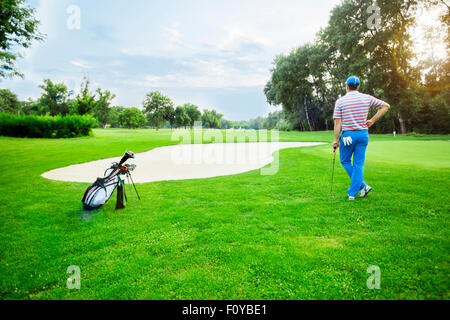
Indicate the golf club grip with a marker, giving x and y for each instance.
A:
(124, 158)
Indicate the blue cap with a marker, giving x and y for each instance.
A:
(352, 81)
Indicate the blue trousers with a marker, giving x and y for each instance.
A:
(360, 140)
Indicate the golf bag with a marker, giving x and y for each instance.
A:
(101, 190)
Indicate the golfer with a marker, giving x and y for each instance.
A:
(350, 117)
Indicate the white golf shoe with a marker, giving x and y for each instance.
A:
(365, 191)
(351, 198)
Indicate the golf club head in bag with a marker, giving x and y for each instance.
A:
(101, 190)
(126, 156)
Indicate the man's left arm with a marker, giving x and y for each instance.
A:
(337, 132)
(337, 116)
(380, 113)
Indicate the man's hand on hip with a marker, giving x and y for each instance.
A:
(380, 113)
(369, 123)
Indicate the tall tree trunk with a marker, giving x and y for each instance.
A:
(402, 123)
(307, 118)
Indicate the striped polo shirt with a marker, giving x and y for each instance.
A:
(353, 109)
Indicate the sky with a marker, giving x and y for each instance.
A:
(216, 54)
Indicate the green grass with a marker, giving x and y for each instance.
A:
(244, 236)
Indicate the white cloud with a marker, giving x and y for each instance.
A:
(201, 73)
(81, 64)
(174, 37)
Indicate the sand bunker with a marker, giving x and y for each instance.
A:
(186, 161)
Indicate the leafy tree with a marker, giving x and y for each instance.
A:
(132, 118)
(226, 124)
(30, 107)
(290, 85)
(113, 116)
(193, 113)
(102, 108)
(156, 107)
(272, 119)
(54, 98)
(182, 118)
(241, 125)
(211, 119)
(85, 100)
(170, 116)
(275, 120)
(9, 102)
(256, 123)
(433, 116)
(283, 125)
(18, 28)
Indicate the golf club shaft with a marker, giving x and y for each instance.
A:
(332, 173)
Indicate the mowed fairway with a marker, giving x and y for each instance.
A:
(243, 236)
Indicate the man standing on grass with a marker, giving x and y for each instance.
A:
(350, 117)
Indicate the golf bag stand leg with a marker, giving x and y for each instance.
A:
(131, 191)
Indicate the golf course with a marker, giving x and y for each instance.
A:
(243, 236)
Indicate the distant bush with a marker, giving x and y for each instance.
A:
(132, 118)
(46, 126)
(283, 125)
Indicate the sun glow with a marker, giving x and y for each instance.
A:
(429, 37)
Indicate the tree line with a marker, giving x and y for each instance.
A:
(56, 99)
(161, 112)
(158, 111)
(275, 120)
(308, 80)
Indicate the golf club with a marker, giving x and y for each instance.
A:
(332, 173)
